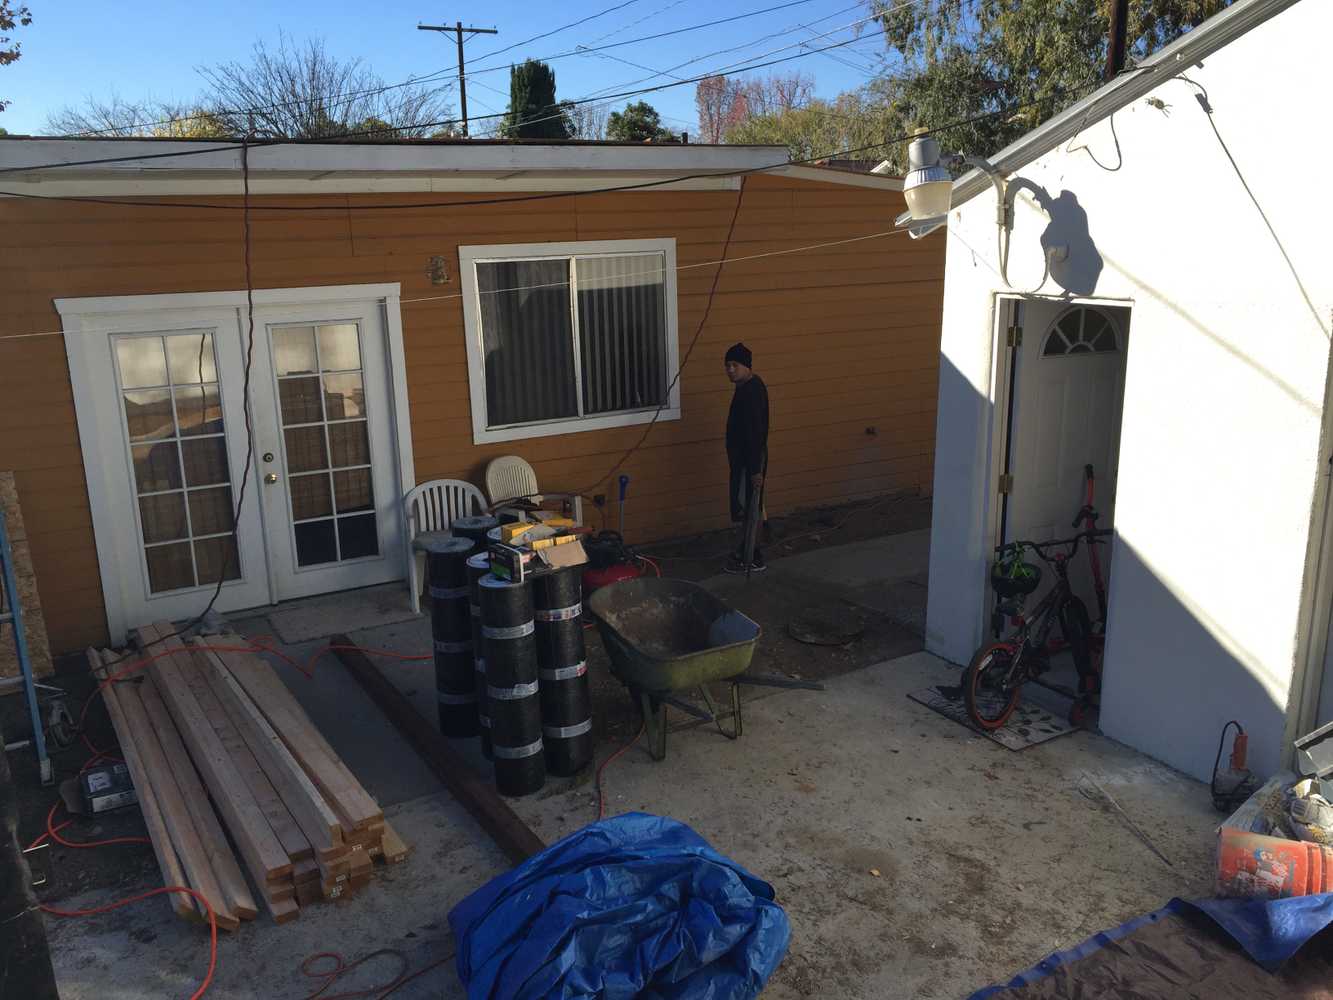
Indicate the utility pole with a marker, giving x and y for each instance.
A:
(458, 29)
(1115, 40)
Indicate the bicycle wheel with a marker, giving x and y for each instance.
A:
(988, 703)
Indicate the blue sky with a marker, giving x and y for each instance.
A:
(152, 48)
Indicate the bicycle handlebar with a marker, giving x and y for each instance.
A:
(1040, 547)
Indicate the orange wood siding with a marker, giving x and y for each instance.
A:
(847, 338)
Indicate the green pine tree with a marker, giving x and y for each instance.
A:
(533, 111)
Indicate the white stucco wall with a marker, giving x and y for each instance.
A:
(1224, 391)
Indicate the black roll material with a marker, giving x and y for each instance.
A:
(451, 627)
(474, 529)
(479, 566)
(510, 651)
(563, 671)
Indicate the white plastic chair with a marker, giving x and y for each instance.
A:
(511, 478)
(433, 506)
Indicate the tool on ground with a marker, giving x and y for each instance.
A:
(1230, 788)
(11, 613)
(1092, 791)
(107, 787)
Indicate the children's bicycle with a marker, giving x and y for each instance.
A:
(999, 669)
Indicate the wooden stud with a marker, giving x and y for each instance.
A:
(234, 888)
(167, 861)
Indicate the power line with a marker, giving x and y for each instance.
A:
(555, 31)
(458, 30)
(646, 17)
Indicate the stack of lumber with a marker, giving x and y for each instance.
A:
(222, 754)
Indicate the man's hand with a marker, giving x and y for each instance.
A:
(757, 480)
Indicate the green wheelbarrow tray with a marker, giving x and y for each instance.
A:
(669, 636)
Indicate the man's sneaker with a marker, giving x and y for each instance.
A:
(737, 565)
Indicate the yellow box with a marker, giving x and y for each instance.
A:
(509, 532)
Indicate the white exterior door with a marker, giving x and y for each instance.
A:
(160, 392)
(1068, 390)
(325, 448)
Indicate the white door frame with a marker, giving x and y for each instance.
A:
(88, 323)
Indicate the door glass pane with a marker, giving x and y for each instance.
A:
(141, 361)
(294, 350)
(339, 348)
(169, 566)
(300, 400)
(157, 467)
(205, 461)
(322, 402)
(315, 543)
(528, 341)
(357, 536)
(351, 490)
(310, 496)
(198, 410)
(305, 449)
(190, 358)
(148, 414)
(344, 397)
(211, 510)
(183, 445)
(349, 443)
(163, 517)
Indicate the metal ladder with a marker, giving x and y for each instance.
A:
(11, 613)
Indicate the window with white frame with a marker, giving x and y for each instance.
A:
(565, 337)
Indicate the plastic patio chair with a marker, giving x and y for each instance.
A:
(433, 506)
(512, 478)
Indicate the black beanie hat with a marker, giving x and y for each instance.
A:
(740, 354)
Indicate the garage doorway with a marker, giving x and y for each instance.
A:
(1062, 376)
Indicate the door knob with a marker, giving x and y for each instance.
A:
(270, 478)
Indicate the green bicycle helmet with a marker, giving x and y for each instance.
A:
(1010, 576)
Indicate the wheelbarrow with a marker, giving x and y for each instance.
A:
(666, 637)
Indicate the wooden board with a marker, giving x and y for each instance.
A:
(393, 848)
(478, 797)
(25, 579)
(284, 910)
(279, 818)
(352, 803)
(234, 888)
(259, 846)
(184, 838)
(307, 806)
(172, 872)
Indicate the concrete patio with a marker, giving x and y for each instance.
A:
(986, 859)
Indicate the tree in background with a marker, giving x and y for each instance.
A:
(585, 121)
(1021, 60)
(725, 103)
(639, 122)
(720, 102)
(817, 127)
(291, 92)
(533, 111)
(11, 17)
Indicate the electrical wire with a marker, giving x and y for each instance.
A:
(601, 791)
(555, 31)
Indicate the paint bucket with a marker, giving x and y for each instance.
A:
(510, 650)
(479, 566)
(1257, 866)
(563, 671)
(451, 628)
(473, 529)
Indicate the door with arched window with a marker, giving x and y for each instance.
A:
(1068, 390)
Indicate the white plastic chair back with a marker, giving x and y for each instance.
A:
(509, 478)
(433, 506)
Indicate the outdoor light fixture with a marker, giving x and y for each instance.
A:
(928, 185)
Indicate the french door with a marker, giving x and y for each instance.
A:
(166, 413)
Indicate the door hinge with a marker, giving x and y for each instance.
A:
(1006, 483)
(1014, 337)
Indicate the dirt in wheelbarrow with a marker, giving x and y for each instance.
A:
(776, 600)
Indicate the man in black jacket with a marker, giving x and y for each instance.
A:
(747, 446)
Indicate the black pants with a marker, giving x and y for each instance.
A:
(742, 494)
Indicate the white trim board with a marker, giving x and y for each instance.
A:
(468, 256)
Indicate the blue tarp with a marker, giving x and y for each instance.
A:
(1270, 930)
(634, 906)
